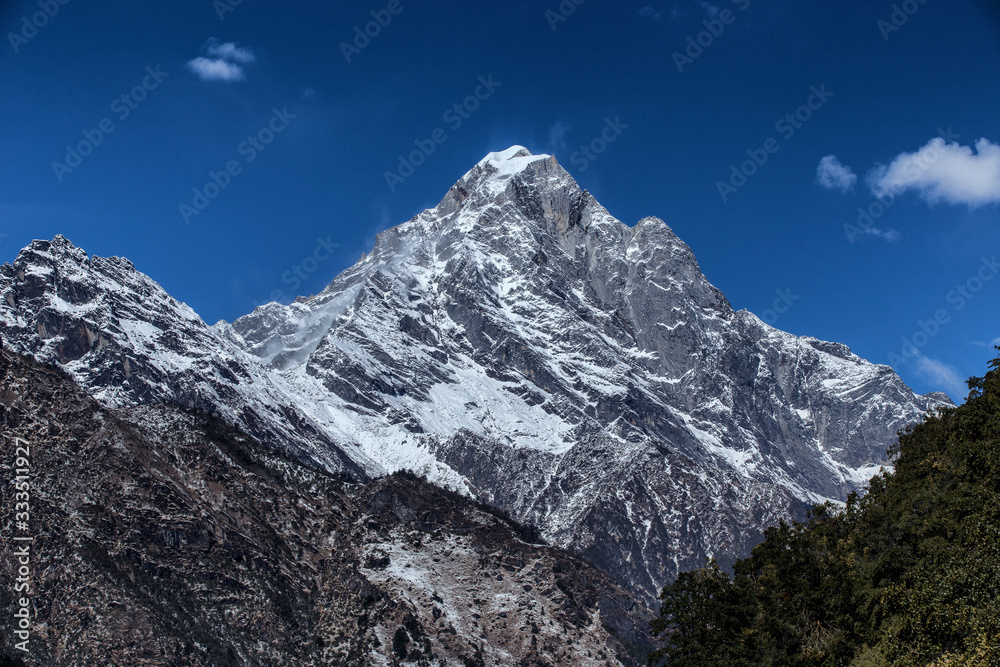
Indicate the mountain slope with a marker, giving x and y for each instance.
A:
(123, 337)
(164, 537)
(906, 576)
(519, 341)
(519, 344)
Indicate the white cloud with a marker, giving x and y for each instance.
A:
(834, 175)
(941, 374)
(216, 70)
(225, 62)
(992, 344)
(229, 51)
(943, 172)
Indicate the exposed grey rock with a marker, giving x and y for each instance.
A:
(123, 337)
(519, 344)
(163, 537)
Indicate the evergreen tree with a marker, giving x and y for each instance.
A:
(907, 575)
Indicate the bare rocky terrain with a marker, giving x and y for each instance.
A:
(166, 537)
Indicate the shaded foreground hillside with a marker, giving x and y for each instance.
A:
(164, 537)
(907, 575)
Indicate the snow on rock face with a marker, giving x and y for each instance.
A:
(209, 549)
(521, 345)
(123, 337)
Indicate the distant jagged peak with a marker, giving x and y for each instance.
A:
(58, 250)
(61, 277)
(940, 397)
(61, 254)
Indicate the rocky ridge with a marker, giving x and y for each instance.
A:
(164, 537)
(519, 345)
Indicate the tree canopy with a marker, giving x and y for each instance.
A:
(908, 574)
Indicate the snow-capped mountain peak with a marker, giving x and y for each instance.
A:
(512, 160)
(519, 344)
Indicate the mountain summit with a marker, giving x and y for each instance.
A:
(516, 343)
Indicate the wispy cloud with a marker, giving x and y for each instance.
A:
(834, 175)
(710, 9)
(938, 373)
(222, 62)
(557, 137)
(887, 235)
(650, 13)
(945, 172)
(993, 343)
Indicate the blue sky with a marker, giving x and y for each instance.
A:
(301, 130)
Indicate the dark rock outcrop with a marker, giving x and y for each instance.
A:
(165, 537)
